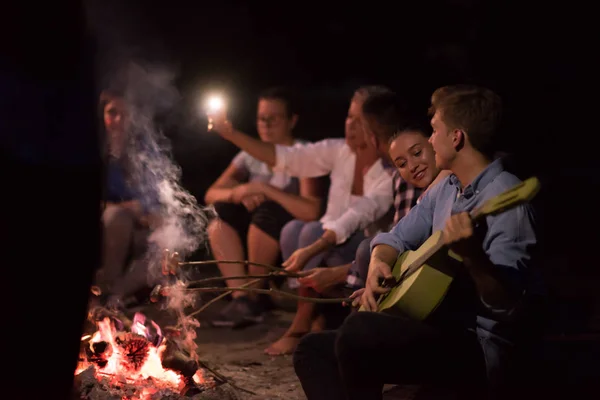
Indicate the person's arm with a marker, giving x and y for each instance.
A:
(366, 210)
(306, 206)
(258, 149)
(222, 189)
(301, 160)
(411, 231)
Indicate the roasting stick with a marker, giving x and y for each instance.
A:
(222, 295)
(331, 300)
(245, 262)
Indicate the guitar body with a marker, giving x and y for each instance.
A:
(419, 294)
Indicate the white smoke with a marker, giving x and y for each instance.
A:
(150, 93)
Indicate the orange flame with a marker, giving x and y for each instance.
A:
(117, 370)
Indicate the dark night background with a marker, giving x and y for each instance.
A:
(535, 55)
(327, 50)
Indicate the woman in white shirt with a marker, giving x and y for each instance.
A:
(360, 193)
(253, 202)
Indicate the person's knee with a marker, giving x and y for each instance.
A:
(214, 226)
(311, 231)
(116, 217)
(289, 234)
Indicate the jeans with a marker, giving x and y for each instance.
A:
(359, 269)
(372, 349)
(297, 234)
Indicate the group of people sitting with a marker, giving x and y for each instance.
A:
(393, 181)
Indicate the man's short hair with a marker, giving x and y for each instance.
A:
(475, 110)
(387, 110)
(283, 94)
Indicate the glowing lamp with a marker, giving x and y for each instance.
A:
(215, 104)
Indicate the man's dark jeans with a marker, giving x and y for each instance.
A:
(371, 349)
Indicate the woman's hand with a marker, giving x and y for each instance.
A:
(322, 279)
(240, 192)
(298, 259)
(253, 201)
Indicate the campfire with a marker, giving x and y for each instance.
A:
(134, 360)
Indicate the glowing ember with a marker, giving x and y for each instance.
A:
(133, 357)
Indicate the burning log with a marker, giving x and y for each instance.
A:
(176, 360)
(134, 349)
(98, 353)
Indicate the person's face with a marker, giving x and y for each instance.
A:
(115, 118)
(355, 134)
(273, 123)
(413, 155)
(442, 140)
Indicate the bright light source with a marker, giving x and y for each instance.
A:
(214, 104)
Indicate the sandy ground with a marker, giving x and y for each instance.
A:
(239, 355)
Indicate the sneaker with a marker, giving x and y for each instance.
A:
(239, 313)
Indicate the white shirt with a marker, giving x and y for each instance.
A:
(346, 213)
(259, 171)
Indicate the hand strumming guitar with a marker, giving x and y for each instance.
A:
(462, 237)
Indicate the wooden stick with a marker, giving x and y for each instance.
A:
(223, 378)
(226, 278)
(219, 297)
(272, 291)
(245, 262)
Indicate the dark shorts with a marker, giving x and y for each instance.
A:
(269, 217)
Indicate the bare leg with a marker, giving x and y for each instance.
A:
(263, 249)
(301, 325)
(226, 244)
(118, 223)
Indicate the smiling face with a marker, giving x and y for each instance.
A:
(413, 155)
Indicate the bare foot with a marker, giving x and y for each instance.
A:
(285, 345)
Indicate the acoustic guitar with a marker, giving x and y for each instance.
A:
(423, 277)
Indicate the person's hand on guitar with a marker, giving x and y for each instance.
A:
(461, 236)
(356, 298)
(378, 271)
